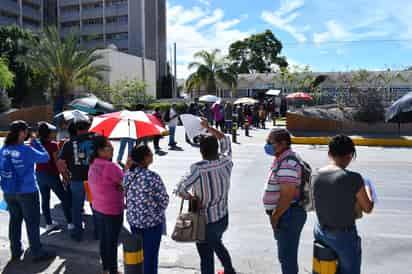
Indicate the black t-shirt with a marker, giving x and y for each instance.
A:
(77, 153)
(335, 197)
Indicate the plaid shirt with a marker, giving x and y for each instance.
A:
(210, 182)
(282, 172)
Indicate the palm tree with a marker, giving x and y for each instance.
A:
(64, 61)
(210, 70)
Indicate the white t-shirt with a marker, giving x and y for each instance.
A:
(173, 122)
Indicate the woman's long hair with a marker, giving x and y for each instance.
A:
(15, 128)
(99, 142)
(44, 133)
(138, 154)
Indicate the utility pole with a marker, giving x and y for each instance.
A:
(175, 72)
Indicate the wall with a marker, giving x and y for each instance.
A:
(299, 123)
(31, 115)
(128, 67)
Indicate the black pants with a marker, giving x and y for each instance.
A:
(156, 141)
(109, 229)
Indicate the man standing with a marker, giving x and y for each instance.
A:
(156, 139)
(210, 181)
(171, 118)
(281, 199)
(76, 154)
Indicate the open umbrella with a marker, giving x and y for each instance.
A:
(246, 101)
(209, 99)
(273, 92)
(127, 124)
(299, 96)
(400, 111)
(92, 105)
(72, 115)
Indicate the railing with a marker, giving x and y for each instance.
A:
(92, 29)
(31, 13)
(117, 27)
(92, 13)
(68, 2)
(69, 16)
(4, 21)
(116, 10)
(9, 6)
(119, 43)
(70, 31)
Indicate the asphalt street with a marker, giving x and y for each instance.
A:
(386, 233)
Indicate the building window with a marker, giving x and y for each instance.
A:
(70, 24)
(92, 6)
(95, 21)
(70, 9)
(118, 20)
(117, 36)
(111, 3)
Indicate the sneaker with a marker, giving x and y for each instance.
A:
(44, 256)
(53, 226)
(70, 226)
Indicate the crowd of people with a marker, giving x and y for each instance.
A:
(83, 165)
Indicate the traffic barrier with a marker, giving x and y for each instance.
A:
(324, 260)
(133, 254)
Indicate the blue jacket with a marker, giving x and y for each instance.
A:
(17, 167)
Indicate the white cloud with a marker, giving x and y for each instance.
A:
(337, 33)
(194, 29)
(205, 2)
(285, 16)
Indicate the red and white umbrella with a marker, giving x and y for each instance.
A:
(127, 124)
(300, 96)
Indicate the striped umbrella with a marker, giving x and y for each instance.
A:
(127, 124)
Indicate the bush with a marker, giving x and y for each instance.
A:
(164, 106)
(5, 101)
(369, 107)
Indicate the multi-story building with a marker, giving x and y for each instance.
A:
(137, 27)
(23, 13)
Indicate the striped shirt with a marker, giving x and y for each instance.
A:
(283, 171)
(210, 182)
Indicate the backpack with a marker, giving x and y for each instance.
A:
(307, 200)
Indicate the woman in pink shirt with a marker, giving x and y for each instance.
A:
(105, 180)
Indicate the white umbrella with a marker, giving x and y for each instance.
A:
(246, 101)
(70, 115)
(273, 92)
(209, 99)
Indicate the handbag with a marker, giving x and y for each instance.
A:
(191, 226)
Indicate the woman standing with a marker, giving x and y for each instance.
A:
(49, 179)
(146, 201)
(338, 192)
(105, 181)
(21, 192)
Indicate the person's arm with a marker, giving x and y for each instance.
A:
(160, 196)
(225, 143)
(288, 178)
(184, 186)
(37, 153)
(364, 198)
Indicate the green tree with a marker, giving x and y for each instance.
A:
(6, 76)
(130, 94)
(14, 42)
(64, 61)
(211, 69)
(257, 53)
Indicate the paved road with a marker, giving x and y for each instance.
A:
(387, 238)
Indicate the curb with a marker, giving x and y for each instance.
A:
(373, 142)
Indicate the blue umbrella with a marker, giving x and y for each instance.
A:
(92, 105)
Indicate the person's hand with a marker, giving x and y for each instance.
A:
(204, 123)
(274, 221)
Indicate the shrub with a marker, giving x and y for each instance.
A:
(369, 106)
(5, 101)
(164, 106)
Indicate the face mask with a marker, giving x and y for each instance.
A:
(270, 149)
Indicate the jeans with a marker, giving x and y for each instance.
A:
(78, 196)
(228, 126)
(213, 244)
(49, 182)
(24, 207)
(109, 229)
(347, 246)
(287, 235)
(172, 133)
(123, 142)
(151, 246)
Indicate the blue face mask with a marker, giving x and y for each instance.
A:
(270, 149)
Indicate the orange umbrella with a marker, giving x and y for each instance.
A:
(300, 96)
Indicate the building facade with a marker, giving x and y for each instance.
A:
(23, 13)
(137, 27)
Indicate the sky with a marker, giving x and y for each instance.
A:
(327, 35)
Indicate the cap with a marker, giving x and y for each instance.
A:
(46, 125)
(18, 125)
